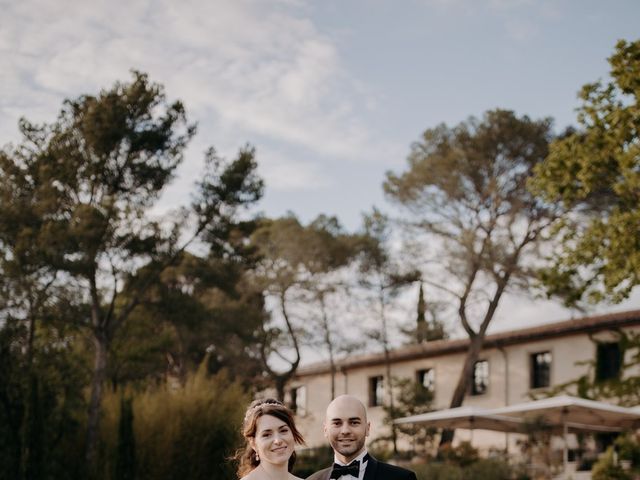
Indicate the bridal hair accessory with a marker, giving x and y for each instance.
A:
(258, 404)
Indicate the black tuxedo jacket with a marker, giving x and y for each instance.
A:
(375, 471)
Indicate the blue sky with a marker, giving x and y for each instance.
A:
(330, 92)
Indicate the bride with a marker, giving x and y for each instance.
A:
(270, 437)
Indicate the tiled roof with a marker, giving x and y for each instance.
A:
(501, 339)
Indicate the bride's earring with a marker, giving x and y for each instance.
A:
(257, 457)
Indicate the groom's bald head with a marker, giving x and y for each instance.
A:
(346, 427)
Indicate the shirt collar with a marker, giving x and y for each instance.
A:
(359, 458)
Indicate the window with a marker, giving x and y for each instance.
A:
(480, 380)
(376, 391)
(427, 378)
(608, 361)
(298, 400)
(540, 370)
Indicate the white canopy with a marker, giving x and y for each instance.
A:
(465, 417)
(575, 413)
(562, 413)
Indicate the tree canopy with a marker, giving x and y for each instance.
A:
(465, 191)
(594, 174)
(76, 197)
(298, 265)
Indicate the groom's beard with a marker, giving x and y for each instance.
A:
(347, 445)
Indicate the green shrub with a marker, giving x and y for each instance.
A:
(625, 448)
(628, 448)
(463, 454)
(488, 469)
(438, 471)
(189, 432)
(607, 469)
(311, 460)
(482, 469)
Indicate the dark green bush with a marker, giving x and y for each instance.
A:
(438, 471)
(607, 469)
(311, 460)
(481, 469)
(489, 468)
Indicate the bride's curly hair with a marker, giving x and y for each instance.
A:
(246, 456)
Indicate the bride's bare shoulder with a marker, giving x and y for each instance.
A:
(252, 475)
(257, 475)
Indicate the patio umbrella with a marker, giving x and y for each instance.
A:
(576, 414)
(465, 417)
(561, 414)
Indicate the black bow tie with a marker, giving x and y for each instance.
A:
(352, 469)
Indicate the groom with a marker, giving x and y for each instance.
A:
(346, 427)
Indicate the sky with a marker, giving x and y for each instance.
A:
(331, 93)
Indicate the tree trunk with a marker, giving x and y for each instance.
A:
(101, 344)
(32, 456)
(475, 345)
(281, 383)
(280, 380)
(473, 353)
(329, 343)
(387, 361)
(333, 375)
(394, 432)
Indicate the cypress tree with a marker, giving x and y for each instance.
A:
(126, 453)
(421, 327)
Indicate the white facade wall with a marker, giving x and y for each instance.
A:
(509, 382)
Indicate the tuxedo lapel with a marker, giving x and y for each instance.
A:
(370, 471)
(326, 475)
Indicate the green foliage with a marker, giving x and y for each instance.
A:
(608, 468)
(85, 180)
(33, 433)
(41, 406)
(466, 186)
(438, 471)
(431, 328)
(380, 271)
(75, 200)
(536, 446)
(468, 209)
(11, 402)
(594, 173)
(489, 469)
(411, 398)
(290, 251)
(311, 460)
(463, 454)
(139, 349)
(296, 264)
(628, 448)
(479, 469)
(189, 432)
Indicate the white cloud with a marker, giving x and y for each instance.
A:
(261, 68)
(286, 174)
